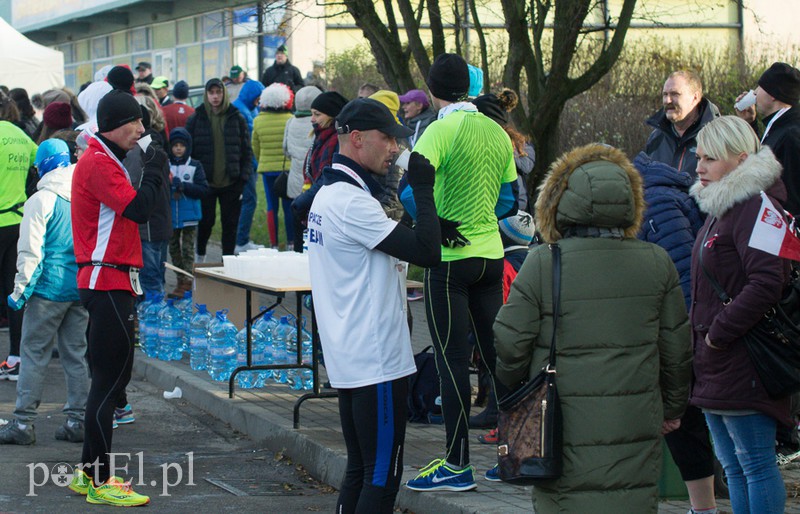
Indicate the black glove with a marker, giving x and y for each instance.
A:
(451, 237)
(420, 171)
(177, 183)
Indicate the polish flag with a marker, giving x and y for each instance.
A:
(772, 234)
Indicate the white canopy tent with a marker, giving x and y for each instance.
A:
(26, 64)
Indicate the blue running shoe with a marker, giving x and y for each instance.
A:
(124, 416)
(493, 475)
(438, 476)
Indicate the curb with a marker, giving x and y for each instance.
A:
(326, 464)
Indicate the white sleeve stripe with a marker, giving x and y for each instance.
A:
(105, 224)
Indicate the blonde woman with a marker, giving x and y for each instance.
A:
(733, 169)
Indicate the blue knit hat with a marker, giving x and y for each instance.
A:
(52, 154)
(475, 81)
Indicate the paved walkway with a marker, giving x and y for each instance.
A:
(319, 446)
(265, 415)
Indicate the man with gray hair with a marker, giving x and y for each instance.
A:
(676, 125)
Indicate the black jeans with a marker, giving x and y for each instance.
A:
(461, 296)
(230, 204)
(8, 269)
(110, 358)
(374, 428)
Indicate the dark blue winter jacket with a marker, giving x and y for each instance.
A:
(672, 219)
(191, 184)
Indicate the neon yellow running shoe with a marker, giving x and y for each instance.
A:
(80, 482)
(115, 492)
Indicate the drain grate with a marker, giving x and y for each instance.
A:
(254, 487)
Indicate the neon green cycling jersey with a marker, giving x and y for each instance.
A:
(473, 156)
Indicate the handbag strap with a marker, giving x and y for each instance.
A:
(555, 251)
(723, 296)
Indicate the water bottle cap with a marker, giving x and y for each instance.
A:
(222, 316)
(187, 294)
(201, 307)
(170, 302)
(285, 320)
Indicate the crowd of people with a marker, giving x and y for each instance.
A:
(115, 180)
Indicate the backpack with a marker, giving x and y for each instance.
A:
(423, 389)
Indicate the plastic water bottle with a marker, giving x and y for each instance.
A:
(184, 305)
(250, 379)
(292, 375)
(280, 334)
(222, 349)
(140, 308)
(306, 375)
(214, 321)
(265, 324)
(198, 338)
(170, 333)
(151, 325)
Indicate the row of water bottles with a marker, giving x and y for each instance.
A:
(213, 343)
(162, 325)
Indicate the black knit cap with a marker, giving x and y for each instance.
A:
(330, 103)
(116, 109)
(489, 105)
(782, 81)
(448, 78)
(120, 78)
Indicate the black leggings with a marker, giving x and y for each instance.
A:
(690, 446)
(8, 269)
(110, 361)
(374, 428)
(461, 296)
(230, 205)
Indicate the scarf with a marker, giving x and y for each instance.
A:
(321, 153)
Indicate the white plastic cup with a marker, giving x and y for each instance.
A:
(747, 100)
(174, 394)
(402, 159)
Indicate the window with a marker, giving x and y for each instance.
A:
(68, 50)
(189, 65)
(245, 21)
(119, 43)
(216, 59)
(164, 35)
(214, 26)
(187, 30)
(82, 50)
(100, 47)
(140, 39)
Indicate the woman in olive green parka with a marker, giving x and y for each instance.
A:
(623, 342)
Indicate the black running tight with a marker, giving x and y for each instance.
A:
(374, 428)
(461, 296)
(110, 342)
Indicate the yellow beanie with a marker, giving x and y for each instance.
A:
(390, 100)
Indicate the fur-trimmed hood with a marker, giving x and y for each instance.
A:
(757, 173)
(593, 186)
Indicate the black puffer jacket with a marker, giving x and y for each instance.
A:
(784, 140)
(665, 146)
(159, 226)
(238, 152)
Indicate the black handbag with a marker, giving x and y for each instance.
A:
(773, 344)
(281, 184)
(529, 424)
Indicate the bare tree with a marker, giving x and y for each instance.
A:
(549, 87)
(545, 69)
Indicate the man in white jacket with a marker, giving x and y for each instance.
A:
(46, 285)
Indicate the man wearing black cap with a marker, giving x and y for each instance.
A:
(283, 71)
(176, 113)
(475, 170)
(777, 98)
(221, 142)
(145, 71)
(106, 212)
(354, 252)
